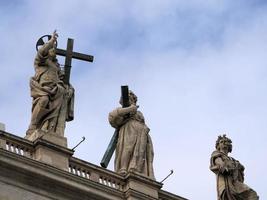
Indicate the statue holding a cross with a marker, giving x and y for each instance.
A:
(53, 96)
(133, 144)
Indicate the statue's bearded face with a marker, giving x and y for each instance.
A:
(132, 100)
(225, 145)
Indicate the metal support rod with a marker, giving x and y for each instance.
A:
(167, 176)
(83, 138)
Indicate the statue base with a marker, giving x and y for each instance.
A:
(51, 137)
(51, 149)
(137, 186)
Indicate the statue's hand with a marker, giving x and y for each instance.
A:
(133, 109)
(54, 35)
(223, 170)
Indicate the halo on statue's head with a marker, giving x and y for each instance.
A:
(42, 40)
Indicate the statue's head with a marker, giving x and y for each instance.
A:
(224, 143)
(132, 97)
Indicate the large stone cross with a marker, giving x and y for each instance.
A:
(69, 54)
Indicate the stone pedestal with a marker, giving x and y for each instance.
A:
(51, 149)
(48, 136)
(139, 187)
(52, 154)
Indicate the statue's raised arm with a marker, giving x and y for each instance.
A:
(49, 45)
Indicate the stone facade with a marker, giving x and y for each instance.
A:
(42, 170)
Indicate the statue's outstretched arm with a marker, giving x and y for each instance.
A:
(50, 44)
(220, 166)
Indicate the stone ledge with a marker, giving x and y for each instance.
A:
(138, 184)
(53, 146)
(51, 137)
(17, 139)
(38, 177)
(97, 168)
(164, 195)
(136, 195)
(43, 162)
(143, 179)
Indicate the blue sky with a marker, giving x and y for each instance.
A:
(198, 67)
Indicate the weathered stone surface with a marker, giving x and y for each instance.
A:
(230, 173)
(39, 171)
(52, 156)
(137, 186)
(48, 136)
(134, 150)
(34, 177)
(52, 98)
(11, 192)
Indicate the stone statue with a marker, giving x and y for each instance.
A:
(230, 173)
(134, 150)
(52, 98)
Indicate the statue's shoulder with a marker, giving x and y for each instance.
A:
(216, 154)
(140, 117)
(140, 113)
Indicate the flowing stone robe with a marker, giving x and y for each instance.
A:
(134, 150)
(230, 184)
(47, 84)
